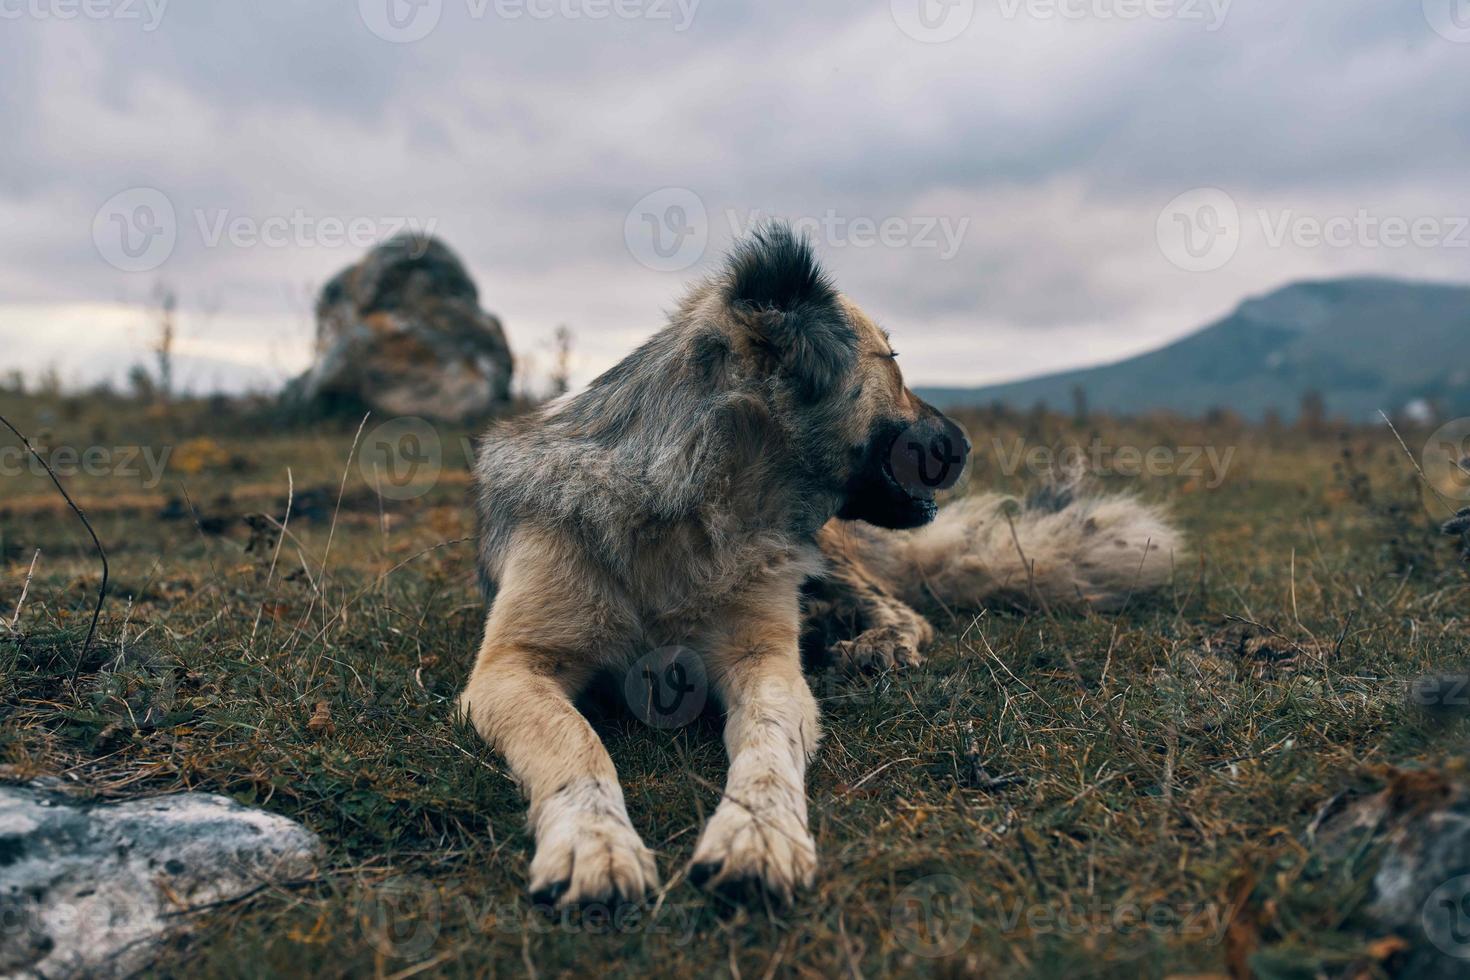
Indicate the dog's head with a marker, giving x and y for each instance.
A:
(887, 450)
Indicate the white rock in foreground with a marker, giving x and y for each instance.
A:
(91, 889)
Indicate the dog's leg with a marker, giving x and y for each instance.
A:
(758, 834)
(882, 631)
(586, 847)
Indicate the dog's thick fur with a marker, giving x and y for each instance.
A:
(1060, 548)
(684, 499)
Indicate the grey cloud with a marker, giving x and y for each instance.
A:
(527, 141)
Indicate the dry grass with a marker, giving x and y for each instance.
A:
(1054, 795)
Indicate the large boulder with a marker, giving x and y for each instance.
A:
(91, 890)
(402, 333)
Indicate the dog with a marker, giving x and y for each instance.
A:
(759, 452)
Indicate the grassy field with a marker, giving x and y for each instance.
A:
(1148, 779)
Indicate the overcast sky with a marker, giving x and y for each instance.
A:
(1010, 186)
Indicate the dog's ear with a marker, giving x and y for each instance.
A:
(776, 288)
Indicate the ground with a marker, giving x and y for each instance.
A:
(1050, 794)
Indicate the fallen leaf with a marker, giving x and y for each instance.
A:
(321, 720)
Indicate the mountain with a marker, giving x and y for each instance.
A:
(1364, 344)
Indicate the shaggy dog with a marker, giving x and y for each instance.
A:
(682, 501)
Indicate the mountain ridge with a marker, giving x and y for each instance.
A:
(1365, 343)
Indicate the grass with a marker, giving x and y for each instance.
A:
(1148, 777)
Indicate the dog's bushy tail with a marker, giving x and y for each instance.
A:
(1060, 547)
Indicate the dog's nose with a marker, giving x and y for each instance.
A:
(930, 455)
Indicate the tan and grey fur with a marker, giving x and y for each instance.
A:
(1060, 548)
(684, 499)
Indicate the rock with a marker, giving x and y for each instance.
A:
(1421, 889)
(402, 333)
(93, 889)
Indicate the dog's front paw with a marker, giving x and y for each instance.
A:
(884, 648)
(588, 852)
(745, 852)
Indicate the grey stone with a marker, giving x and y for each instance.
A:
(92, 889)
(402, 333)
(1421, 890)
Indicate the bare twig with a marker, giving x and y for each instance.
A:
(1414, 462)
(975, 773)
(24, 589)
(290, 498)
(341, 492)
(101, 552)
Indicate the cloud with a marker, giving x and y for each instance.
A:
(1053, 140)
